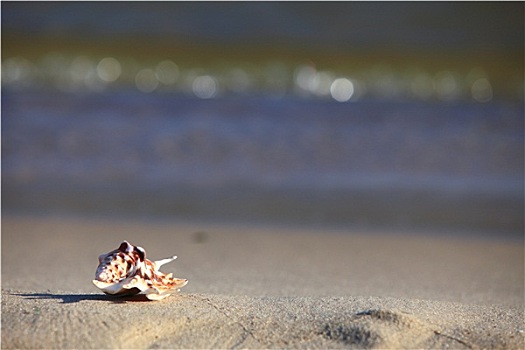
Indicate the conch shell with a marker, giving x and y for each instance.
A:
(126, 271)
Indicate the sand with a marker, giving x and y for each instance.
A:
(256, 286)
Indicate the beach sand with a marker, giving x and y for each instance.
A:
(257, 286)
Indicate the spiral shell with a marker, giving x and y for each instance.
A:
(126, 271)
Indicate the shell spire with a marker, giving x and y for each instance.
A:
(126, 271)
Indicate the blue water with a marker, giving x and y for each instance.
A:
(263, 158)
(101, 112)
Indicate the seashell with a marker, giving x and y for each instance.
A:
(126, 271)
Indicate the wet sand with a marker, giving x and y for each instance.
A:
(254, 286)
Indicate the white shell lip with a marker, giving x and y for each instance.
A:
(141, 277)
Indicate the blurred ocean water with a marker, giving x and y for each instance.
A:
(262, 158)
(354, 26)
(345, 51)
(387, 114)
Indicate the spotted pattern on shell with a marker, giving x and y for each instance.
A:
(125, 271)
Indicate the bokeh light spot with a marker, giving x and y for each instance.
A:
(167, 72)
(481, 90)
(108, 69)
(17, 70)
(321, 83)
(205, 87)
(80, 69)
(342, 89)
(146, 80)
(304, 75)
